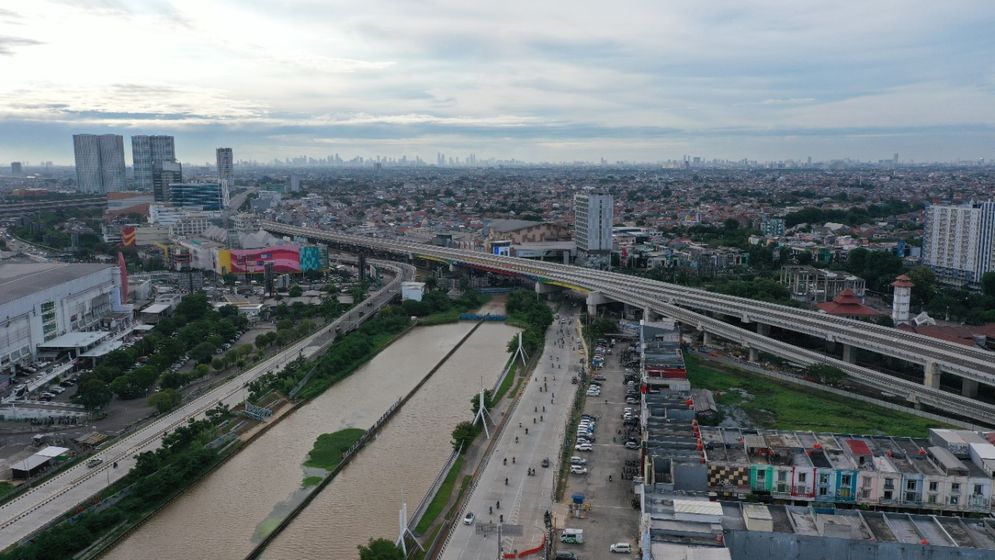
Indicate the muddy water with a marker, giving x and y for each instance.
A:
(363, 501)
(219, 517)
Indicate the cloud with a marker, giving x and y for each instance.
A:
(8, 44)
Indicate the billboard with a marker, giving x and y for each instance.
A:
(285, 258)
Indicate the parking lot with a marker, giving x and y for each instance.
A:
(607, 485)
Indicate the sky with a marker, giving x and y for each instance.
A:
(533, 80)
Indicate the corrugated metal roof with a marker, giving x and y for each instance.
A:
(698, 507)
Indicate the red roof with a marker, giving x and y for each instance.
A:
(960, 334)
(847, 304)
(859, 447)
(903, 281)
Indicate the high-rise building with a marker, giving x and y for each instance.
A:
(146, 153)
(207, 196)
(593, 222)
(99, 162)
(959, 242)
(16, 169)
(226, 165)
(163, 174)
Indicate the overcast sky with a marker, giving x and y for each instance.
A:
(535, 80)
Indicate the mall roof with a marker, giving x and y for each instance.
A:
(75, 339)
(21, 280)
(156, 308)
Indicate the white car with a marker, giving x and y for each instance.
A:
(468, 520)
(584, 447)
(576, 469)
(578, 460)
(620, 547)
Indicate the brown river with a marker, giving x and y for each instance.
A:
(228, 512)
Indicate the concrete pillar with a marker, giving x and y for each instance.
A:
(969, 388)
(594, 299)
(849, 354)
(649, 314)
(931, 375)
(706, 338)
(763, 328)
(754, 354)
(543, 289)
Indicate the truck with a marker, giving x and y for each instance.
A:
(572, 536)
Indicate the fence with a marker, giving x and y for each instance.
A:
(433, 490)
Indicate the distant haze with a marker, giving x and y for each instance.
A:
(532, 80)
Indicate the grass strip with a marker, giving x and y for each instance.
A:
(773, 404)
(441, 497)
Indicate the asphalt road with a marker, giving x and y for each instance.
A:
(45, 503)
(524, 499)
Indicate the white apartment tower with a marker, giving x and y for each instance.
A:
(959, 242)
(146, 153)
(593, 222)
(226, 165)
(99, 163)
(901, 297)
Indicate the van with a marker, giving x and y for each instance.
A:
(572, 536)
(621, 547)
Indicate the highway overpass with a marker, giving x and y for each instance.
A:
(703, 309)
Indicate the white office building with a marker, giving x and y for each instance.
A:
(959, 242)
(43, 303)
(593, 222)
(99, 163)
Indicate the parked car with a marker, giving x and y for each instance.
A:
(620, 547)
(566, 556)
(468, 519)
(584, 447)
(632, 444)
(576, 469)
(578, 460)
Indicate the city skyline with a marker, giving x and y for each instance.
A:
(765, 81)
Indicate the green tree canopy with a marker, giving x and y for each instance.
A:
(380, 549)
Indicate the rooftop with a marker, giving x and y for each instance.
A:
(21, 280)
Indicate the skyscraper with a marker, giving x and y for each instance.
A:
(959, 242)
(146, 152)
(226, 165)
(593, 222)
(163, 174)
(16, 168)
(99, 162)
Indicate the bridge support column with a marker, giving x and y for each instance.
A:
(754, 354)
(931, 375)
(849, 354)
(543, 289)
(763, 328)
(594, 299)
(969, 388)
(706, 338)
(650, 315)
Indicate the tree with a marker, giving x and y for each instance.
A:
(295, 291)
(988, 284)
(380, 549)
(202, 352)
(218, 364)
(165, 400)
(93, 393)
(463, 434)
